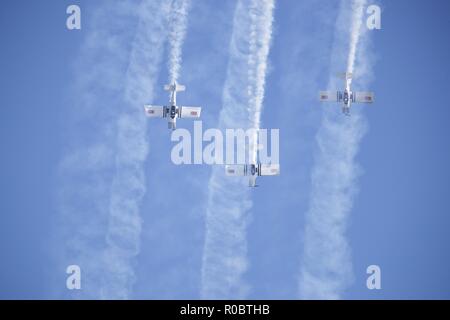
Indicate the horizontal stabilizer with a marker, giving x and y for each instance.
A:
(345, 75)
(176, 87)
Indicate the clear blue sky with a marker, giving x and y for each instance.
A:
(400, 219)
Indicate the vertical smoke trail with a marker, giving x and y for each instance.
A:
(225, 250)
(128, 186)
(177, 24)
(358, 11)
(327, 268)
(261, 18)
(104, 179)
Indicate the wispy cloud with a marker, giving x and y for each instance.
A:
(327, 269)
(225, 251)
(103, 175)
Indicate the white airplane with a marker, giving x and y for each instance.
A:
(348, 96)
(253, 171)
(172, 111)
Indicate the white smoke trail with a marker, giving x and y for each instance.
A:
(358, 11)
(327, 267)
(128, 185)
(225, 250)
(105, 253)
(177, 24)
(261, 19)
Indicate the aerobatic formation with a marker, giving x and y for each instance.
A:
(253, 168)
(172, 111)
(149, 166)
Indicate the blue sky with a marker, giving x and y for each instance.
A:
(399, 220)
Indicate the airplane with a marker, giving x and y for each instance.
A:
(172, 111)
(348, 96)
(253, 171)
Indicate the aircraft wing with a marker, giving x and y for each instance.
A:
(269, 170)
(190, 112)
(328, 96)
(235, 170)
(154, 111)
(364, 97)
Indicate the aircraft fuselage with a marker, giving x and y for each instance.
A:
(173, 114)
(347, 101)
(253, 174)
